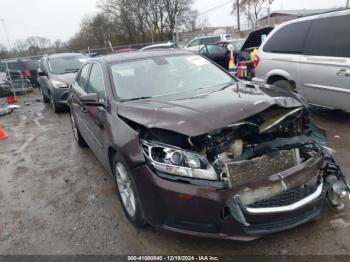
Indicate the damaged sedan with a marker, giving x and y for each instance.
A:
(194, 150)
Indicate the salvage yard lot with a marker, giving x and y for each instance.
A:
(56, 198)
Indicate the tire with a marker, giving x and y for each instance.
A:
(76, 133)
(57, 108)
(125, 183)
(284, 84)
(45, 98)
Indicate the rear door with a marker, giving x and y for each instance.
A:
(325, 65)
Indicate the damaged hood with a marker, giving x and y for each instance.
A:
(206, 111)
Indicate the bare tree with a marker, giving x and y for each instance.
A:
(251, 9)
(175, 8)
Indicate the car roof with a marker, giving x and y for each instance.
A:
(206, 36)
(64, 55)
(112, 58)
(316, 16)
(158, 45)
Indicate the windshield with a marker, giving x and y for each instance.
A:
(66, 64)
(159, 76)
(237, 44)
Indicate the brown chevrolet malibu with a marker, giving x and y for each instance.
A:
(196, 151)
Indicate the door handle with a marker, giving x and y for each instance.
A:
(343, 72)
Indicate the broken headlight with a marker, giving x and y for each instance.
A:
(176, 161)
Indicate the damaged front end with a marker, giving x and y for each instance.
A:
(275, 162)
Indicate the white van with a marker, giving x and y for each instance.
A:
(311, 56)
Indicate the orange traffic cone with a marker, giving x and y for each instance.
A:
(11, 100)
(3, 134)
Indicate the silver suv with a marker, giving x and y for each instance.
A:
(310, 55)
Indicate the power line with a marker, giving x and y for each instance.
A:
(214, 8)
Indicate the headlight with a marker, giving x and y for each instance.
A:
(175, 161)
(58, 84)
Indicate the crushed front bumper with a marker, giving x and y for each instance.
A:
(214, 211)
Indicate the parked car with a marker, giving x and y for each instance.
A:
(220, 54)
(27, 67)
(196, 151)
(197, 43)
(311, 56)
(159, 46)
(12, 81)
(56, 72)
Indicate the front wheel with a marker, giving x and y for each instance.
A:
(57, 108)
(45, 98)
(127, 193)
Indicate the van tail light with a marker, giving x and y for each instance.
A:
(27, 73)
(256, 61)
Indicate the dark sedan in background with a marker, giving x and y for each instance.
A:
(195, 151)
(55, 74)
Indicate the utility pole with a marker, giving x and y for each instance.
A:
(268, 16)
(7, 36)
(238, 17)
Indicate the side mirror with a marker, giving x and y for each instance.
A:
(41, 72)
(91, 100)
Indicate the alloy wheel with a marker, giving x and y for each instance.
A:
(126, 190)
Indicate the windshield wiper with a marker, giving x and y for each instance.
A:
(226, 86)
(71, 70)
(136, 98)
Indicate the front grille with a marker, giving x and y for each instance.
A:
(286, 198)
(282, 224)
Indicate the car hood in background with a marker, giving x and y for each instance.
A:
(65, 78)
(200, 114)
(254, 38)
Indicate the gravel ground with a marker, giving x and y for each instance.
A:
(55, 198)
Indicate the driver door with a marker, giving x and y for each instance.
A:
(96, 116)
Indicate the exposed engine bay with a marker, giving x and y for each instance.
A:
(261, 157)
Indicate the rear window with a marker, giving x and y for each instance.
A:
(329, 37)
(289, 39)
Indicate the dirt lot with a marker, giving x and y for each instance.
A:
(55, 198)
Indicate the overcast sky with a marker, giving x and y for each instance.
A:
(60, 19)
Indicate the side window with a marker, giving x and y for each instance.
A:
(83, 76)
(96, 83)
(210, 40)
(194, 43)
(216, 50)
(329, 37)
(289, 39)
